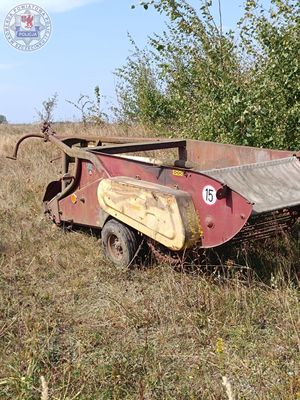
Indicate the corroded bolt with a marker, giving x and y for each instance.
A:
(209, 222)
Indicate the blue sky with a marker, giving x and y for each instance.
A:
(88, 42)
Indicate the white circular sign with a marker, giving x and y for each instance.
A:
(27, 27)
(209, 195)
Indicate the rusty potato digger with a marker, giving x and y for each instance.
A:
(201, 196)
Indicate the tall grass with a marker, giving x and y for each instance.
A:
(74, 327)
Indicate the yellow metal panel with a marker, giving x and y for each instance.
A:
(161, 213)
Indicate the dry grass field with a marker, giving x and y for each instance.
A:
(72, 326)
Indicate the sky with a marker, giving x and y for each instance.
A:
(89, 41)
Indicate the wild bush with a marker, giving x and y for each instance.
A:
(90, 109)
(3, 119)
(198, 81)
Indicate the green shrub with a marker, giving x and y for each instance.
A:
(3, 119)
(197, 81)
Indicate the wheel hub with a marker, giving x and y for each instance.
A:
(115, 247)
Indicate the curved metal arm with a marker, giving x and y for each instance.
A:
(31, 135)
(78, 153)
(71, 152)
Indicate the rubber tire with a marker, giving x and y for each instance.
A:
(127, 239)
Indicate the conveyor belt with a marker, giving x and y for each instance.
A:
(269, 185)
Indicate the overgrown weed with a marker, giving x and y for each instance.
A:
(95, 332)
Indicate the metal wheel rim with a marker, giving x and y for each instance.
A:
(114, 247)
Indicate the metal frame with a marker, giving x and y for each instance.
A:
(220, 223)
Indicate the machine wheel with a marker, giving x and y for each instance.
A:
(120, 243)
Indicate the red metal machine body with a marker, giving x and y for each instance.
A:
(236, 191)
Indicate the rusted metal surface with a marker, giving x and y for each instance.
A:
(96, 141)
(163, 256)
(262, 226)
(224, 191)
(220, 221)
(77, 153)
(112, 139)
(17, 146)
(145, 146)
(209, 155)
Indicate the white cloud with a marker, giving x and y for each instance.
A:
(8, 66)
(54, 6)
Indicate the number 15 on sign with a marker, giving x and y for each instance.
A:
(209, 195)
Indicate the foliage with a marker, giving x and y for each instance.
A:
(3, 119)
(48, 107)
(272, 112)
(90, 109)
(201, 82)
(142, 99)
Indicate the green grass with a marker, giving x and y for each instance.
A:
(95, 332)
